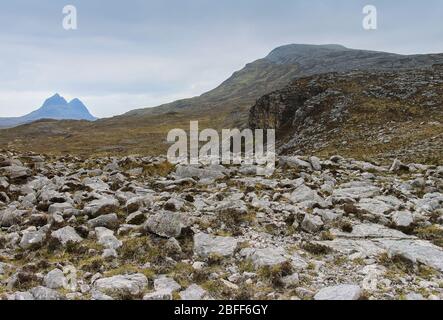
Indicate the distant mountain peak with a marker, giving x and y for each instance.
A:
(56, 99)
(55, 107)
(76, 103)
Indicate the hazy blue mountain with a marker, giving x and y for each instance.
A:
(55, 107)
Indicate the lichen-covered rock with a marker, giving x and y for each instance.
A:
(305, 194)
(59, 207)
(193, 292)
(312, 223)
(33, 238)
(66, 235)
(165, 224)
(295, 162)
(101, 206)
(55, 279)
(402, 219)
(47, 294)
(270, 256)
(417, 251)
(122, 286)
(206, 245)
(11, 216)
(109, 221)
(16, 172)
(137, 203)
(107, 239)
(340, 292)
(356, 190)
(21, 296)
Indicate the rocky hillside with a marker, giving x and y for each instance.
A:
(144, 131)
(55, 107)
(376, 114)
(288, 62)
(138, 228)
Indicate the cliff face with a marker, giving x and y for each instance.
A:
(376, 114)
(278, 108)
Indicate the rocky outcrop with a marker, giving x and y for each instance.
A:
(388, 114)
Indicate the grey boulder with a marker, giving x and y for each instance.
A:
(55, 279)
(122, 285)
(66, 235)
(109, 221)
(193, 292)
(165, 224)
(101, 206)
(340, 292)
(206, 245)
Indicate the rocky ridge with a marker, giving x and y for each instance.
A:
(376, 114)
(139, 228)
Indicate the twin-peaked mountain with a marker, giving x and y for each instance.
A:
(56, 108)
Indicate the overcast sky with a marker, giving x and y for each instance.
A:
(141, 53)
